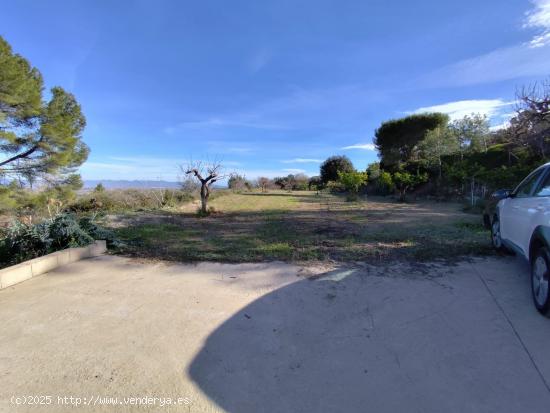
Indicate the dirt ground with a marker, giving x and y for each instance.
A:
(304, 226)
(275, 337)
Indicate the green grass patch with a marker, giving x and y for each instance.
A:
(305, 226)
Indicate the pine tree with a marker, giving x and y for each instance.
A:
(36, 137)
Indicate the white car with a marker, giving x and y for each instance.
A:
(521, 223)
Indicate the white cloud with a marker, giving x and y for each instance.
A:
(539, 18)
(302, 160)
(461, 108)
(294, 171)
(364, 146)
(220, 122)
(139, 168)
(501, 64)
(530, 59)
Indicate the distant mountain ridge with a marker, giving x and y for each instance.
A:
(127, 184)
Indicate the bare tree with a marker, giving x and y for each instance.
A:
(264, 183)
(531, 125)
(206, 173)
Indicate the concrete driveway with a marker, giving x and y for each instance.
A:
(274, 338)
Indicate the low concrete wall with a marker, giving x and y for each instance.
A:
(38, 266)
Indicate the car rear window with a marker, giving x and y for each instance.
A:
(544, 187)
(526, 187)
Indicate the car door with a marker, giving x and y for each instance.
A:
(516, 212)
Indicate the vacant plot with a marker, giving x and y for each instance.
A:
(303, 226)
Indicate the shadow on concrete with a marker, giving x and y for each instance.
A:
(350, 342)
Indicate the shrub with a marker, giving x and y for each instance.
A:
(130, 200)
(352, 181)
(96, 231)
(335, 187)
(405, 180)
(64, 231)
(21, 241)
(99, 188)
(315, 183)
(237, 182)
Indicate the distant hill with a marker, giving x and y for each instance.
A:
(122, 184)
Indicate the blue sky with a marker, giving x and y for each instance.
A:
(272, 87)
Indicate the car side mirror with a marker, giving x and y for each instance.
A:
(502, 193)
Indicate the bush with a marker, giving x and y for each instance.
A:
(130, 200)
(352, 182)
(237, 183)
(22, 242)
(96, 231)
(314, 183)
(335, 187)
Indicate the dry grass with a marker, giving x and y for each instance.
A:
(304, 226)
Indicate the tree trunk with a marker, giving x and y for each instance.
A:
(204, 198)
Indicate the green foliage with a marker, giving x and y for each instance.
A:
(335, 187)
(21, 91)
(314, 183)
(405, 180)
(36, 137)
(380, 181)
(373, 171)
(96, 231)
(471, 133)
(298, 182)
(50, 200)
(64, 231)
(397, 139)
(385, 182)
(437, 143)
(21, 241)
(330, 168)
(352, 181)
(99, 188)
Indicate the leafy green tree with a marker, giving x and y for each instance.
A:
(471, 133)
(373, 171)
(284, 182)
(330, 168)
(314, 183)
(36, 137)
(300, 182)
(385, 182)
(397, 139)
(437, 143)
(352, 182)
(405, 180)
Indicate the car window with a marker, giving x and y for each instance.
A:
(544, 187)
(526, 187)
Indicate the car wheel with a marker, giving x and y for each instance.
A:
(540, 268)
(496, 238)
